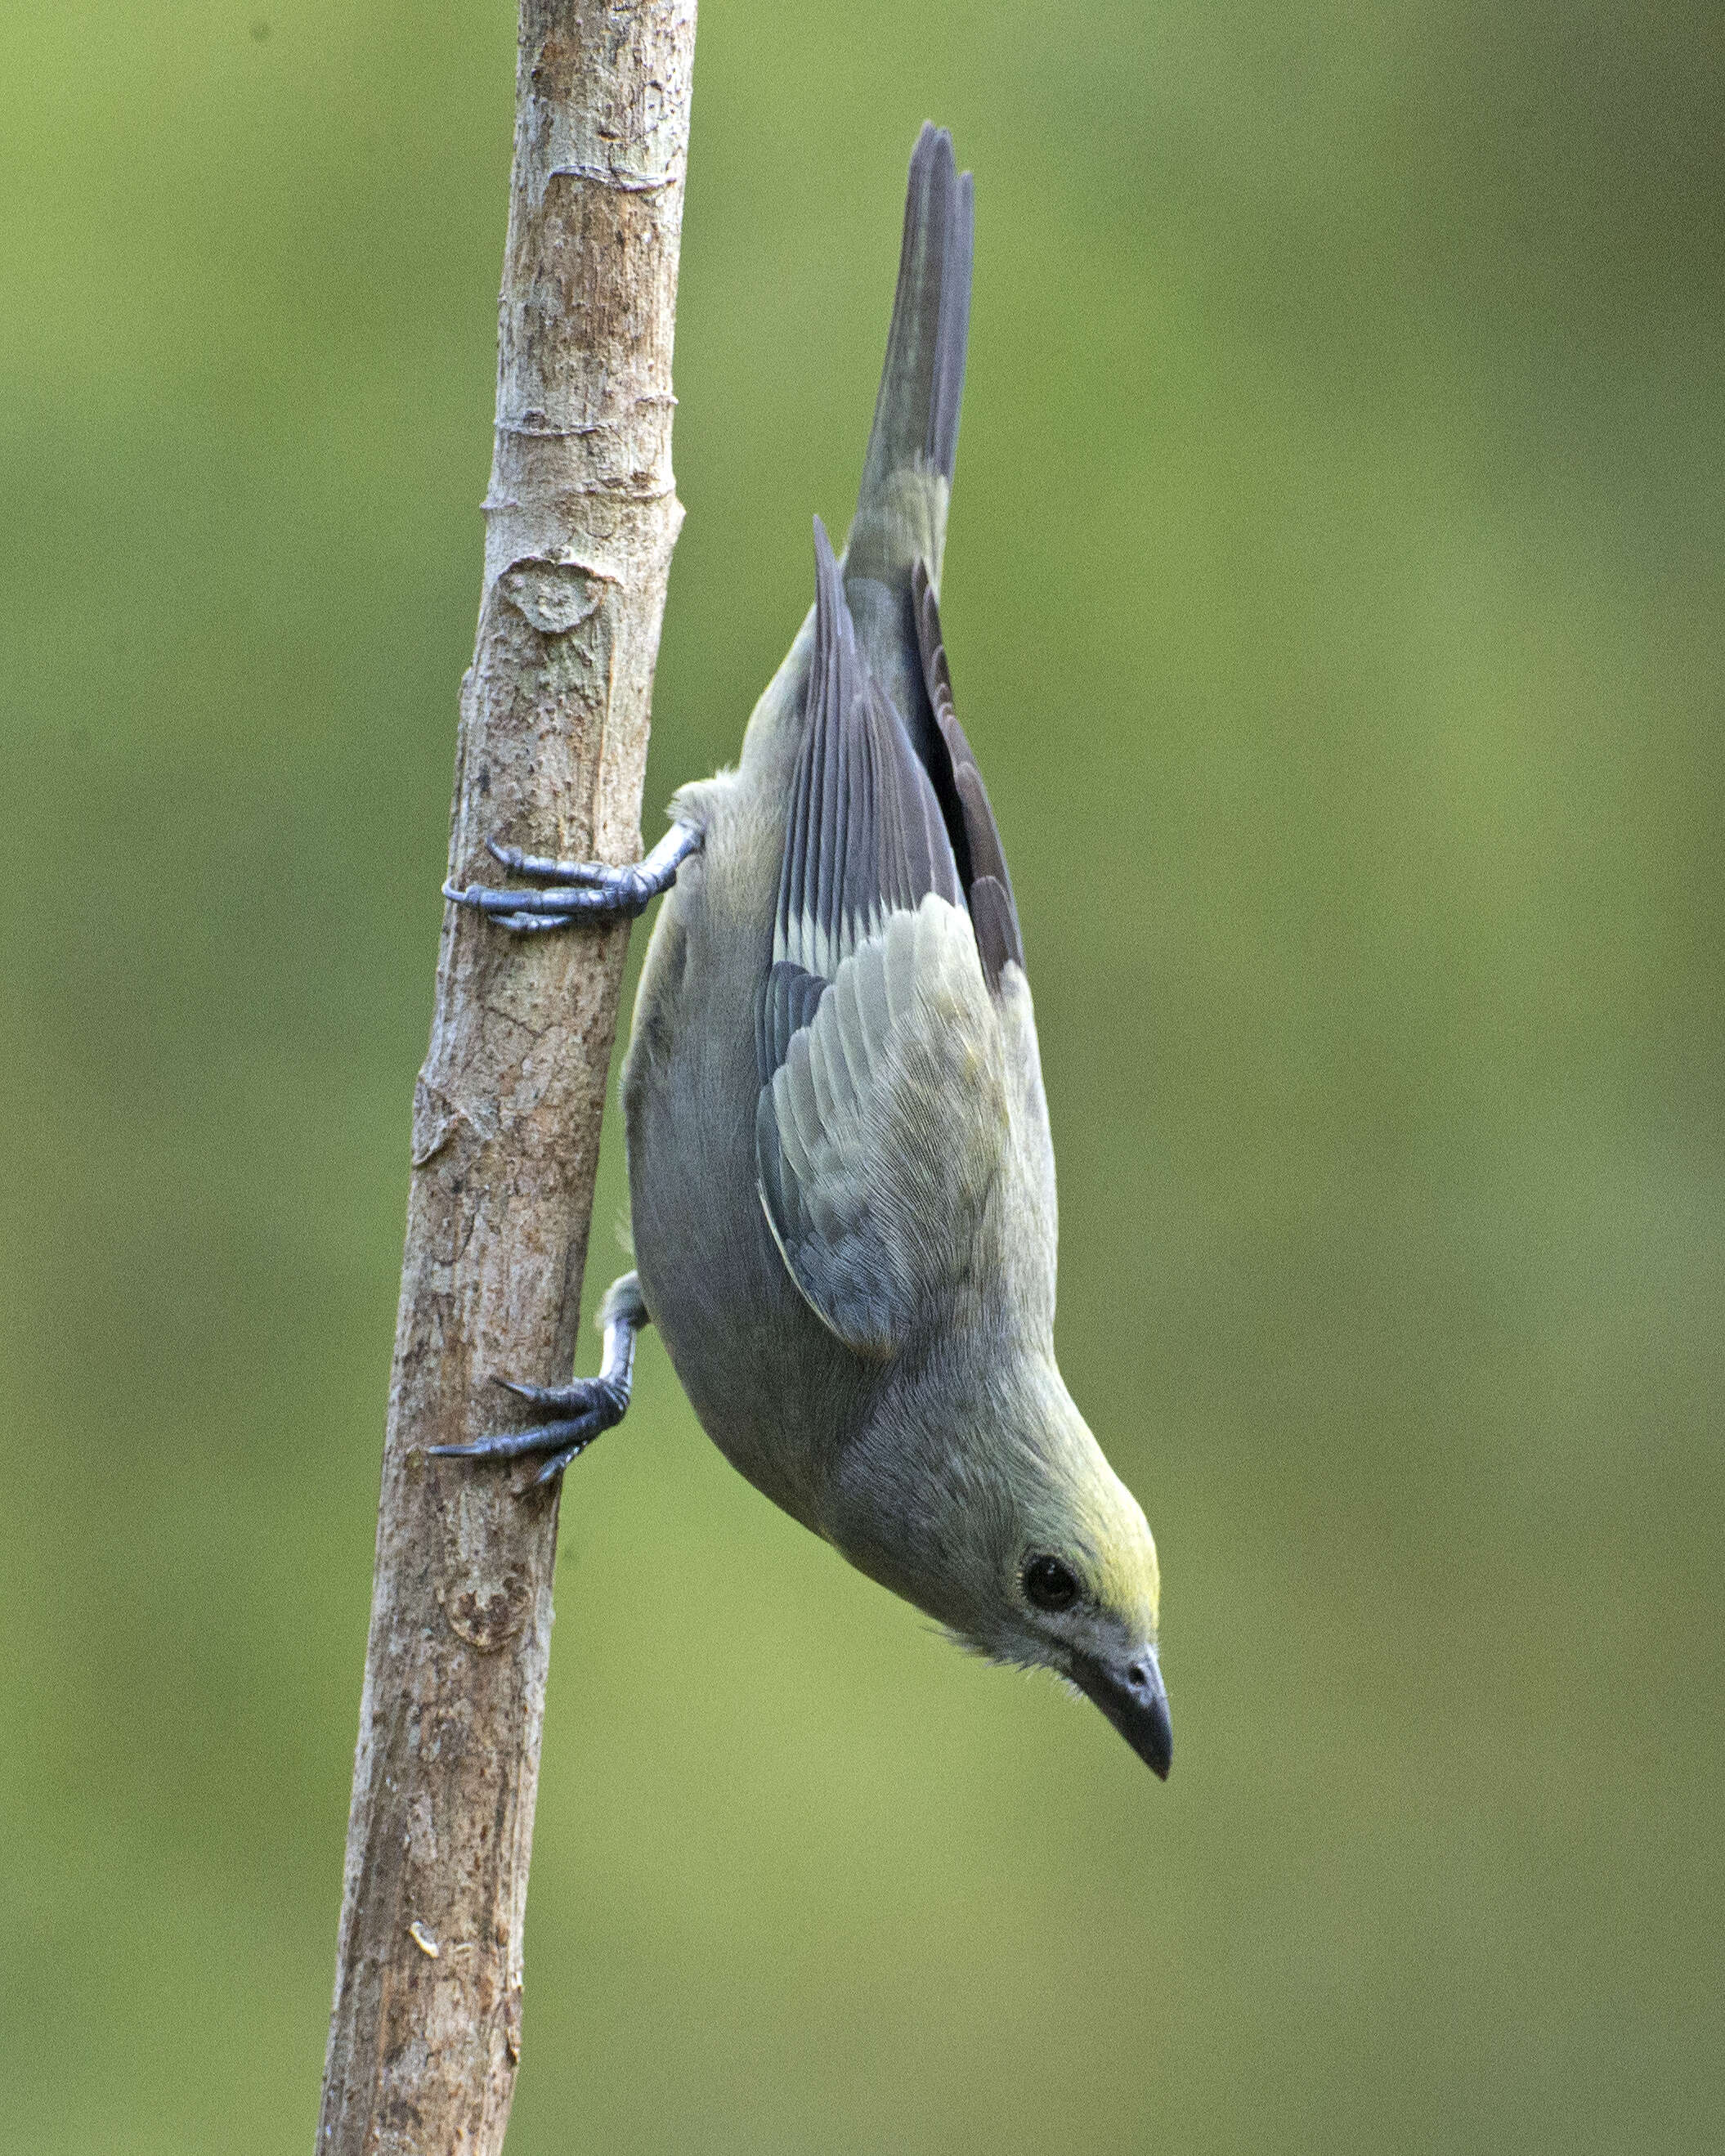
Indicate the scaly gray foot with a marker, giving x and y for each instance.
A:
(580, 890)
(579, 1412)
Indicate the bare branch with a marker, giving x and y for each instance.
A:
(581, 518)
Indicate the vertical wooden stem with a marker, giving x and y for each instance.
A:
(581, 518)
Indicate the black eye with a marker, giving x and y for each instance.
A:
(1048, 1584)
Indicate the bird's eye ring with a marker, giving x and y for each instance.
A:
(1049, 1585)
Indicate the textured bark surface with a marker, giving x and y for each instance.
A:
(581, 519)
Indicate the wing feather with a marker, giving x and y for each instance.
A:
(958, 785)
(883, 1122)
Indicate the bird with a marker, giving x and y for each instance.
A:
(841, 1175)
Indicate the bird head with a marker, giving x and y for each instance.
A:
(979, 1493)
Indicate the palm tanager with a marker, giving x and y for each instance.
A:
(841, 1181)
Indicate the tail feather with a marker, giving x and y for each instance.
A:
(922, 382)
(907, 474)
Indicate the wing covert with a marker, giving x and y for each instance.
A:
(863, 833)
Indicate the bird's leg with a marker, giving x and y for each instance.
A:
(579, 1411)
(581, 891)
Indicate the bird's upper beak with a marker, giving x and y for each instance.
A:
(1131, 1693)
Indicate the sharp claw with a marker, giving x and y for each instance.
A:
(517, 1444)
(555, 1467)
(501, 1447)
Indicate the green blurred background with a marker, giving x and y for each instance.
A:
(1334, 594)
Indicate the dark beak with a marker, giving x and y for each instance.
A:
(1132, 1694)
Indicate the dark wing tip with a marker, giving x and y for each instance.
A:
(996, 923)
(964, 798)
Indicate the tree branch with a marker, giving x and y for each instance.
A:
(581, 519)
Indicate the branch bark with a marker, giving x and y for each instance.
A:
(581, 519)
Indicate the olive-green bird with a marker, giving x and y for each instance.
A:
(840, 1175)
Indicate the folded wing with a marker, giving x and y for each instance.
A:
(885, 1118)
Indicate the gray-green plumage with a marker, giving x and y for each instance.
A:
(841, 1180)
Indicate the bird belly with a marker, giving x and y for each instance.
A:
(776, 1392)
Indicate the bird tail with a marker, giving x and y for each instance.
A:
(915, 437)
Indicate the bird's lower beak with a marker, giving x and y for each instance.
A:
(1132, 1694)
